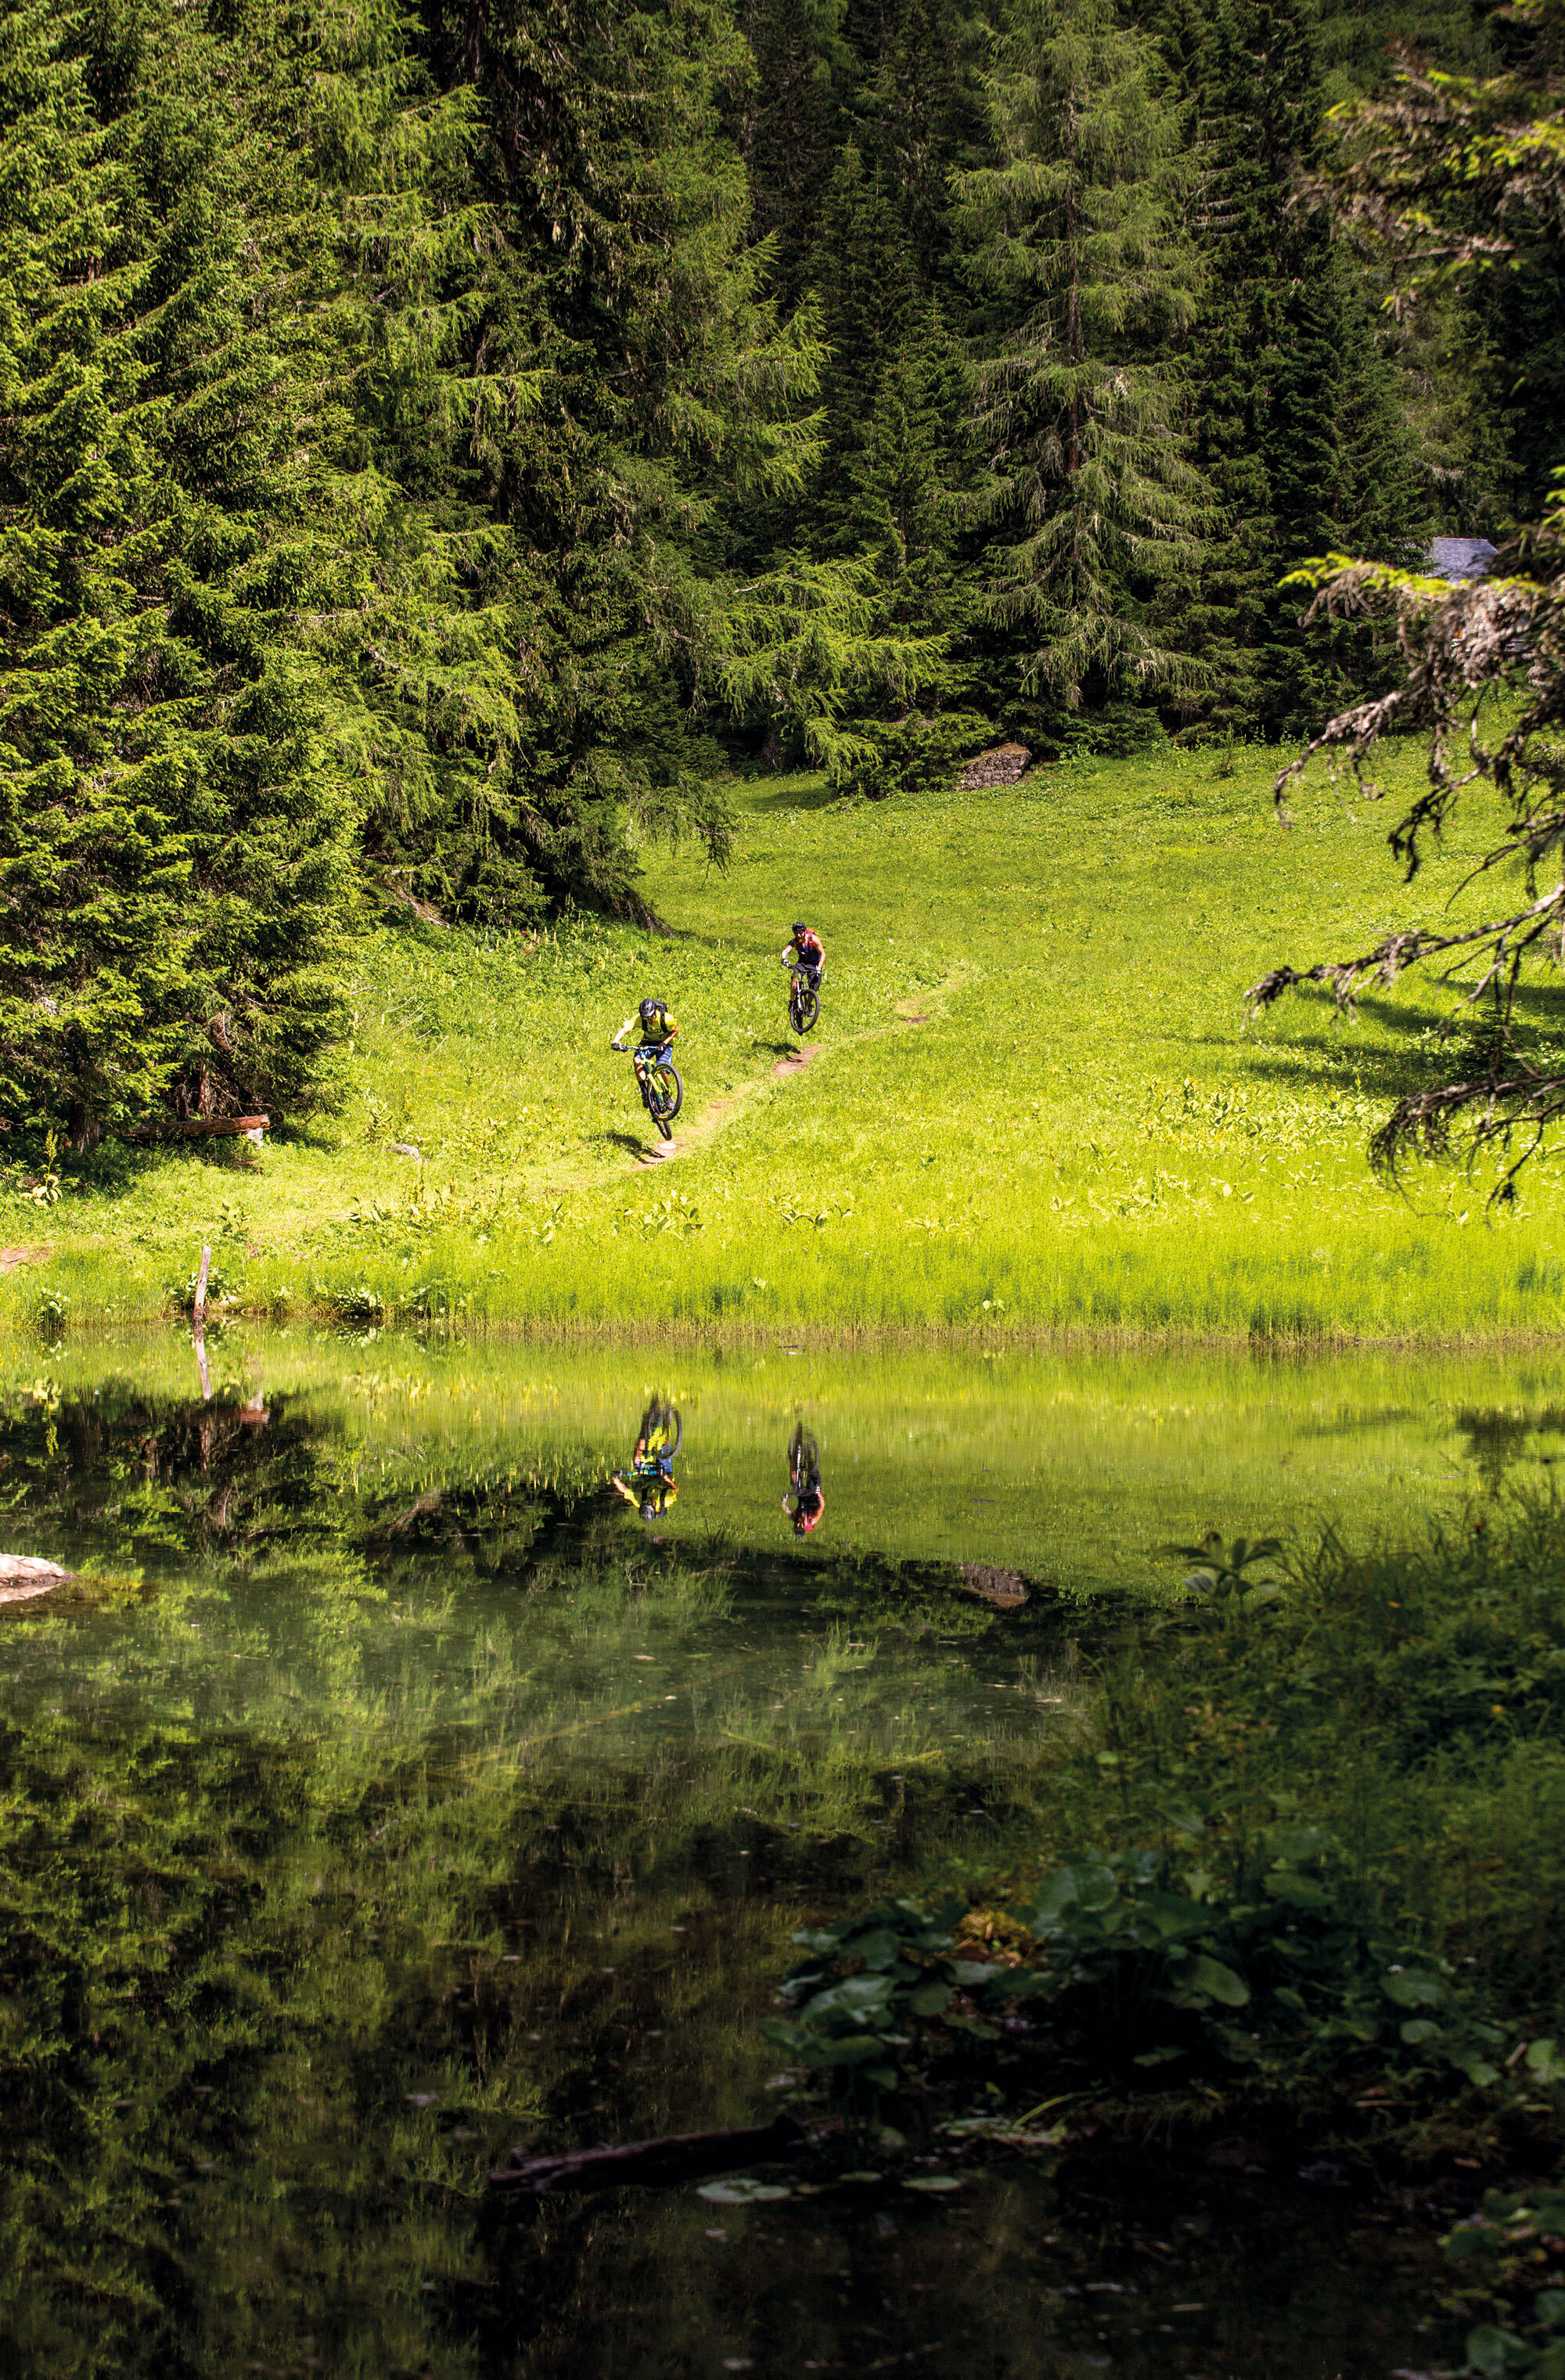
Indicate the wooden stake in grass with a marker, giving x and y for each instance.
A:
(199, 1316)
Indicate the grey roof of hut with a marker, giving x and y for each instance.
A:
(1461, 557)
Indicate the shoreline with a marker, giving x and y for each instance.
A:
(988, 1341)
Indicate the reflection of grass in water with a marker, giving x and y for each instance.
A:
(840, 1654)
(1068, 1467)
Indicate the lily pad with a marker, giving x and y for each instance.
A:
(740, 2189)
(934, 2181)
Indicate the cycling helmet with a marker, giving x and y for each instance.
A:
(651, 1010)
(798, 926)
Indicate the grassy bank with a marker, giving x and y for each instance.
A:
(1032, 1103)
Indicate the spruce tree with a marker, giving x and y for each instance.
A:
(1076, 234)
(175, 856)
(787, 122)
(863, 282)
(912, 104)
(655, 488)
(1300, 425)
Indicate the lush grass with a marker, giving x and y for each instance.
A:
(1080, 1133)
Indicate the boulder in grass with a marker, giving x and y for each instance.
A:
(1005, 765)
(25, 1575)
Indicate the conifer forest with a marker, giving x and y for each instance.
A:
(437, 447)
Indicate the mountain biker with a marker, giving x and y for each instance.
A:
(658, 1029)
(804, 1473)
(649, 1484)
(808, 953)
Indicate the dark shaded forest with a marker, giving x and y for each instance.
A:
(437, 447)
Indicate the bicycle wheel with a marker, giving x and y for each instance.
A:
(667, 1093)
(808, 1010)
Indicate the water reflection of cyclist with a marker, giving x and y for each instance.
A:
(649, 1484)
(807, 1494)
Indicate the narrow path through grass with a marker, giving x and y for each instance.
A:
(1089, 1137)
(787, 1070)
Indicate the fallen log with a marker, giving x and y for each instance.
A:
(200, 1128)
(652, 2165)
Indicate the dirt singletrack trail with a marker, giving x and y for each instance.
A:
(720, 1111)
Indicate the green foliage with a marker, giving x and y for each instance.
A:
(1289, 1805)
(176, 840)
(1284, 1976)
(915, 755)
(1219, 1574)
(865, 1981)
(1300, 427)
(1499, 2253)
(1077, 233)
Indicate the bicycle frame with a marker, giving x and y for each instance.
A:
(640, 1070)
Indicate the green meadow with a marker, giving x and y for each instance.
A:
(1033, 1104)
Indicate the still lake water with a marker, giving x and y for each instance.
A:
(387, 1794)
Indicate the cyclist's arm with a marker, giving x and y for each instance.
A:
(671, 1031)
(618, 1041)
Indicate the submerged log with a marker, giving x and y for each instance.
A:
(22, 1575)
(653, 2165)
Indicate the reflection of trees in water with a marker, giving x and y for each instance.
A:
(1496, 1436)
(127, 1477)
(266, 1835)
(238, 1948)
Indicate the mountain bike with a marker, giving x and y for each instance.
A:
(803, 1000)
(804, 1459)
(663, 1093)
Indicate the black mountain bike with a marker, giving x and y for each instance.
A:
(803, 1459)
(803, 1001)
(663, 1093)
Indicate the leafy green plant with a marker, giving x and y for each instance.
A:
(911, 754)
(1293, 1938)
(1221, 1572)
(1288, 1975)
(358, 1304)
(866, 1981)
(1500, 2252)
(223, 1287)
